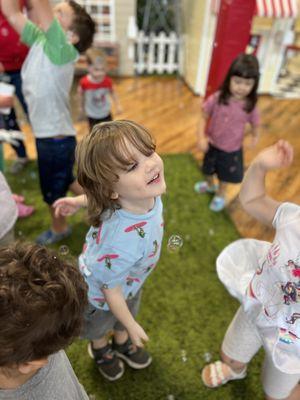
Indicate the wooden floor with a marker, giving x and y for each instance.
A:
(170, 111)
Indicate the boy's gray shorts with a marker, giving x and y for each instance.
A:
(97, 323)
(242, 342)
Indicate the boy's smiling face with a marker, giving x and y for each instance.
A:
(65, 14)
(141, 182)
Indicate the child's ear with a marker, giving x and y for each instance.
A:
(72, 37)
(32, 366)
(114, 196)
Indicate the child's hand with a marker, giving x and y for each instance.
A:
(277, 156)
(65, 206)
(137, 335)
(203, 144)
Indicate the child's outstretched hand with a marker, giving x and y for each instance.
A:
(277, 156)
(137, 335)
(66, 206)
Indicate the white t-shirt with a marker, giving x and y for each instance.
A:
(47, 76)
(8, 208)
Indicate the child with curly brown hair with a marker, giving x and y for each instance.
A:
(42, 301)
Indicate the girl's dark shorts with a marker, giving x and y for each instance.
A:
(228, 166)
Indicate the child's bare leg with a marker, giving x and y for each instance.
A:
(120, 336)
(236, 366)
(295, 395)
(222, 189)
(209, 179)
(100, 343)
(58, 224)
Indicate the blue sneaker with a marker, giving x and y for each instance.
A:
(217, 204)
(50, 237)
(203, 187)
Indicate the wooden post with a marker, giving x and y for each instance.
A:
(231, 39)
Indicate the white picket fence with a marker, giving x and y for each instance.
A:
(157, 53)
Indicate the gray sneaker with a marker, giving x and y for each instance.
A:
(108, 364)
(135, 357)
(50, 237)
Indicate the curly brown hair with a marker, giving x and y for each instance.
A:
(42, 299)
(101, 154)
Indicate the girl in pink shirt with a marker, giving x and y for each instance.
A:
(227, 113)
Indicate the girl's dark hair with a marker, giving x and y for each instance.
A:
(245, 66)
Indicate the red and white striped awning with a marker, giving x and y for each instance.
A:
(277, 8)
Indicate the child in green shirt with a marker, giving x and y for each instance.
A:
(47, 75)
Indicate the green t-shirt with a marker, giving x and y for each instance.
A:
(54, 42)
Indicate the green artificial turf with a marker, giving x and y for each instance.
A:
(185, 309)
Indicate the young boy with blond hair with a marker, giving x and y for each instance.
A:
(42, 301)
(47, 76)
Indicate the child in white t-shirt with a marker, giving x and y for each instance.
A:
(270, 312)
(96, 90)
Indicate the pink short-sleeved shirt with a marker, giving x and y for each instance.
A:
(227, 122)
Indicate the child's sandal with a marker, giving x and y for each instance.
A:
(219, 374)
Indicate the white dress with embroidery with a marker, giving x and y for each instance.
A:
(265, 277)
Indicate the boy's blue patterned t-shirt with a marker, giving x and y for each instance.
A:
(123, 251)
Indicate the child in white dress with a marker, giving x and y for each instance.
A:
(270, 311)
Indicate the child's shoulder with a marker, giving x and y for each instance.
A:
(54, 42)
(286, 214)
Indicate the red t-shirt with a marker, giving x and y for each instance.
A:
(12, 51)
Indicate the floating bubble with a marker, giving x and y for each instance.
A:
(183, 356)
(174, 243)
(170, 397)
(33, 175)
(64, 250)
(20, 233)
(211, 232)
(207, 356)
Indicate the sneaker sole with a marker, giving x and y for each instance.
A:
(133, 364)
(109, 378)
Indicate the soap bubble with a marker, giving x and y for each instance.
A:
(20, 233)
(174, 243)
(170, 397)
(64, 250)
(33, 175)
(207, 356)
(183, 356)
(211, 232)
